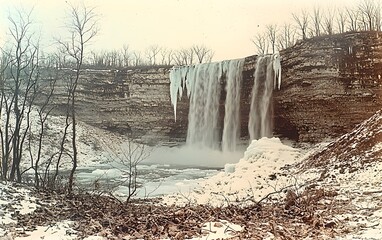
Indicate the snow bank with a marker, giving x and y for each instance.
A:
(258, 173)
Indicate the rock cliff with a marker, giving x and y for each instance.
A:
(329, 84)
(135, 101)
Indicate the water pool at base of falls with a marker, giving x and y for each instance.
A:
(153, 180)
(166, 171)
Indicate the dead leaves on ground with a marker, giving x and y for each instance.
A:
(299, 215)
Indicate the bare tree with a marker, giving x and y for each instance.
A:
(113, 56)
(152, 53)
(201, 52)
(6, 139)
(368, 10)
(17, 97)
(271, 34)
(177, 58)
(286, 37)
(131, 156)
(183, 56)
(166, 56)
(61, 60)
(189, 53)
(137, 58)
(43, 114)
(209, 56)
(83, 28)
(353, 17)
(302, 21)
(128, 156)
(329, 21)
(261, 43)
(316, 20)
(126, 55)
(94, 58)
(378, 16)
(341, 20)
(170, 52)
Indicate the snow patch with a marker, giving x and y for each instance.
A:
(218, 230)
(256, 174)
(60, 230)
(18, 198)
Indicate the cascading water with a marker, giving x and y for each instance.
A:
(203, 83)
(231, 130)
(203, 126)
(267, 77)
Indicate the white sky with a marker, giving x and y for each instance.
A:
(226, 26)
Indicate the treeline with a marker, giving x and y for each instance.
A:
(124, 57)
(318, 21)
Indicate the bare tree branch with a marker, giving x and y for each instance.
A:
(83, 28)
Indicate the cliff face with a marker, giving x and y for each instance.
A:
(329, 84)
(133, 102)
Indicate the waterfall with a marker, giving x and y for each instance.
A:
(231, 130)
(267, 76)
(204, 82)
(203, 114)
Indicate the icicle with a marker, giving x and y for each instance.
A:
(277, 70)
(190, 80)
(177, 76)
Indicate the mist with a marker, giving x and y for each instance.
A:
(192, 156)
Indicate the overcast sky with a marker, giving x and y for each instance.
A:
(226, 26)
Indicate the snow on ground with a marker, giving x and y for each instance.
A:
(94, 144)
(14, 200)
(351, 165)
(257, 174)
(363, 190)
(218, 230)
(59, 231)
